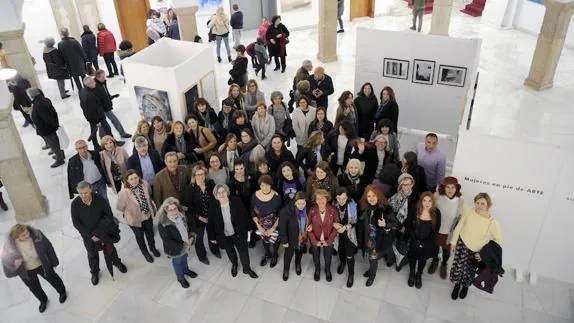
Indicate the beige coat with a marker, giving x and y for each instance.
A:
(121, 159)
(128, 205)
(163, 187)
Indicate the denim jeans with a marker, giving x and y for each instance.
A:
(180, 266)
(340, 19)
(116, 122)
(218, 45)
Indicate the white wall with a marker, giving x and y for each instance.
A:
(529, 17)
(108, 17)
(437, 108)
(40, 23)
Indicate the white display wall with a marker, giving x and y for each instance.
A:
(429, 107)
(533, 197)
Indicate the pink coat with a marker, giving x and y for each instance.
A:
(122, 161)
(262, 30)
(128, 205)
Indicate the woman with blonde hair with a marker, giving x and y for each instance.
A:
(263, 125)
(219, 26)
(252, 96)
(114, 161)
(321, 229)
(142, 129)
(235, 95)
(312, 153)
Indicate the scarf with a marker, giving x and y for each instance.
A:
(302, 219)
(205, 117)
(371, 250)
(400, 206)
(355, 180)
(180, 144)
(139, 193)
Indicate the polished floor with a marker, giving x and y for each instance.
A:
(150, 293)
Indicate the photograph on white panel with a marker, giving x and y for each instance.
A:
(396, 68)
(153, 103)
(423, 71)
(451, 75)
(190, 96)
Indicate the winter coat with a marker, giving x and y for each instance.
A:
(385, 236)
(301, 123)
(163, 187)
(76, 171)
(491, 257)
(307, 158)
(333, 147)
(366, 109)
(44, 116)
(55, 65)
(302, 74)
(274, 161)
(355, 192)
(236, 21)
(421, 246)
(264, 129)
(325, 227)
(98, 221)
(92, 106)
(173, 243)
(327, 127)
(205, 139)
(262, 31)
(239, 70)
(289, 230)
(251, 153)
(21, 99)
(279, 115)
(102, 92)
(279, 49)
(106, 42)
(251, 102)
(44, 249)
(261, 53)
(173, 30)
(389, 111)
(129, 206)
(348, 114)
(218, 24)
(325, 85)
(330, 184)
(240, 219)
(371, 159)
(89, 44)
(192, 200)
(121, 161)
(392, 145)
(73, 55)
(135, 163)
(190, 143)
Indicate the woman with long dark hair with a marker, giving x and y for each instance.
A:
(388, 109)
(321, 123)
(348, 216)
(366, 104)
(347, 111)
(203, 138)
(289, 182)
(277, 154)
(158, 133)
(277, 36)
(206, 116)
(339, 144)
(322, 179)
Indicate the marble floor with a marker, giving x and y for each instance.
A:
(149, 292)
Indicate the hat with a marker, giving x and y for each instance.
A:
(405, 176)
(451, 180)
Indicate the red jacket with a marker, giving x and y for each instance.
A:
(325, 227)
(106, 42)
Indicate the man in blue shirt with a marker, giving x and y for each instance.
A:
(147, 162)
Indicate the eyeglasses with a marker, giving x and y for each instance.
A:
(81, 147)
(199, 174)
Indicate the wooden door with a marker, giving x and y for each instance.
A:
(362, 8)
(132, 17)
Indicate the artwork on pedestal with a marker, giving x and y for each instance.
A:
(153, 103)
(396, 68)
(423, 71)
(451, 75)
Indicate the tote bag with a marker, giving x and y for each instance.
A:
(63, 138)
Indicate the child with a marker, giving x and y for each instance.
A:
(262, 57)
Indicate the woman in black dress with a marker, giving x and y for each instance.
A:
(265, 206)
(242, 185)
(277, 36)
(347, 211)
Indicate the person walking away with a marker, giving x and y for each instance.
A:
(93, 111)
(106, 98)
(107, 48)
(74, 56)
(418, 12)
(18, 86)
(278, 36)
(340, 11)
(219, 25)
(45, 119)
(236, 24)
(261, 57)
(28, 254)
(93, 218)
(56, 66)
(90, 46)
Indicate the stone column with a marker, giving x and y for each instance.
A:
(550, 43)
(19, 56)
(65, 16)
(440, 17)
(327, 31)
(15, 170)
(88, 13)
(187, 22)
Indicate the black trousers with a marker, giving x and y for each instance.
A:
(233, 243)
(271, 249)
(51, 277)
(147, 231)
(283, 62)
(94, 257)
(327, 251)
(200, 245)
(289, 255)
(111, 63)
(346, 248)
(79, 82)
(417, 260)
(94, 61)
(54, 143)
(105, 129)
(445, 254)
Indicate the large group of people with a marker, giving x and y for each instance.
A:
(231, 180)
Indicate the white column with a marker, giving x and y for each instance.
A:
(441, 17)
(187, 22)
(327, 31)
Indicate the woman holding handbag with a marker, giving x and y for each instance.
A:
(474, 230)
(134, 201)
(278, 37)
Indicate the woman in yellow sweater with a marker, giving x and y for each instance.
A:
(474, 230)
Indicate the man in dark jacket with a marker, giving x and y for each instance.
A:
(321, 87)
(106, 99)
(147, 162)
(18, 86)
(86, 166)
(45, 119)
(236, 23)
(56, 66)
(90, 47)
(94, 113)
(74, 56)
(93, 218)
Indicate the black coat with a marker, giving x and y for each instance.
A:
(44, 116)
(274, 162)
(327, 127)
(192, 200)
(371, 159)
(169, 145)
(135, 164)
(366, 109)
(333, 148)
(95, 220)
(420, 178)
(307, 158)
(89, 44)
(55, 65)
(43, 247)
(21, 99)
(491, 257)
(73, 55)
(91, 104)
(355, 191)
(288, 225)
(391, 112)
(105, 98)
(385, 236)
(76, 171)
(239, 70)
(239, 219)
(325, 85)
(277, 49)
(173, 242)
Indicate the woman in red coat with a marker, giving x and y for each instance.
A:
(107, 48)
(322, 234)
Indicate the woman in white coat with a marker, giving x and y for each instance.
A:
(219, 25)
(302, 118)
(263, 125)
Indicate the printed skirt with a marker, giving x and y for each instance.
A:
(464, 265)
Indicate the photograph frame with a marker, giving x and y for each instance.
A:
(460, 83)
(391, 60)
(430, 81)
(152, 102)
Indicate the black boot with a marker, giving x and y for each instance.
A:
(411, 281)
(341, 268)
(2, 203)
(371, 279)
(351, 277)
(418, 280)
(455, 290)
(463, 292)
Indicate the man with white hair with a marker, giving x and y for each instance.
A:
(73, 55)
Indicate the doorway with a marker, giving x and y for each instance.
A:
(252, 14)
(132, 17)
(362, 8)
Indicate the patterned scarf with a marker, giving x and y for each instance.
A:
(371, 237)
(400, 206)
(141, 198)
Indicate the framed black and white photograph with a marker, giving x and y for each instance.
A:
(153, 103)
(396, 68)
(423, 71)
(451, 75)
